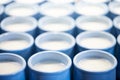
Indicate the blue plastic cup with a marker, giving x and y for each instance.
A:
(114, 9)
(61, 24)
(93, 23)
(23, 41)
(116, 23)
(83, 73)
(1, 12)
(39, 2)
(56, 10)
(5, 2)
(20, 24)
(96, 40)
(89, 9)
(22, 10)
(18, 75)
(59, 74)
(55, 41)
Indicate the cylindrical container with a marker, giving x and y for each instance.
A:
(39, 2)
(96, 40)
(56, 10)
(96, 1)
(114, 8)
(12, 67)
(55, 41)
(116, 23)
(18, 43)
(117, 54)
(61, 24)
(62, 1)
(22, 10)
(1, 12)
(5, 2)
(90, 9)
(49, 65)
(94, 65)
(93, 23)
(20, 24)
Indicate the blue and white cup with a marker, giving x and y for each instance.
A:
(94, 65)
(1, 12)
(93, 23)
(62, 1)
(114, 8)
(116, 23)
(5, 2)
(22, 10)
(96, 1)
(49, 65)
(39, 2)
(12, 67)
(61, 24)
(96, 40)
(56, 10)
(18, 43)
(89, 9)
(55, 41)
(20, 24)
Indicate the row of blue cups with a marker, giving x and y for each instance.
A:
(64, 73)
(69, 25)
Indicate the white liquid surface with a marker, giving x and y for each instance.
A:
(13, 44)
(90, 10)
(9, 67)
(116, 10)
(95, 43)
(93, 26)
(18, 27)
(95, 64)
(56, 12)
(96, 1)
(21, 12)
(49, 66)
(56, 27)
(55, 45)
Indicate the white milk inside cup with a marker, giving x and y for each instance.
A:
(18, 27)
(15, 44)
(95, 64)
(29, 1)
(90, 9)
(5, 1)
(49, 66)
(21, 11)
(96, 1)
(9, 67)
(55, 44)
(93, 26)
(56, 27)
(95, 43)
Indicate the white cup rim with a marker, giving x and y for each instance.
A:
(22, 2)
(116, 21)
(8, 1)
(15, 55)
(55, 33)
(1, 9)
(97, 2)
(10, 19)
(96, 33)
(103, 5)
(118, 39)
(47, 18)
(67, 1)
(48, 5)
(52, 52)
(14, 5)
(83, 18)
(99, 51)
(22, 34)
